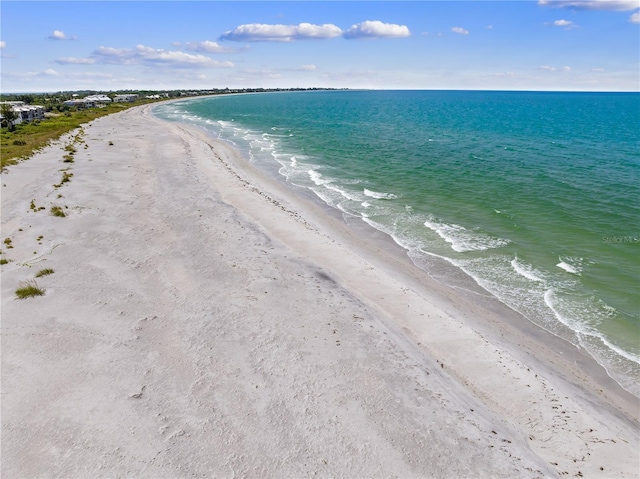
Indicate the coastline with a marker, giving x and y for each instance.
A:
(176, 232)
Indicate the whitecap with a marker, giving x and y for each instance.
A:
(571, 265)
(344, 193)
(462, 239)
(316, 177)
(526, 270)
(380, 196)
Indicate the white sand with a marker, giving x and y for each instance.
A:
(202, 321)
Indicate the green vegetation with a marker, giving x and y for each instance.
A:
(35, 208)
(7, 241)
(27, 138)
(29, 289)
(57, 211)
(66, 177)
(3, 261)
(44, 272)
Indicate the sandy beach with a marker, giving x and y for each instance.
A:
(203, 321)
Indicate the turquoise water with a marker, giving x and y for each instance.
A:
(534, 195)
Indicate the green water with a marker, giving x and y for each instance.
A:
(534, 195)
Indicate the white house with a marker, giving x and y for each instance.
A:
(126, 98)
(25, 112)
(98, 99)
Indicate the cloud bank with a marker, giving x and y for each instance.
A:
(612, 5)
(75, 61)
(260, 32)
(206, 46)
(149, 56)
(376, 29)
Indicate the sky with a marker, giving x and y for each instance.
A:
(572, 45)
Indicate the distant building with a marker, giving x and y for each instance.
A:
(25, 113)
(98, 99)
(80, 104)
(125, 98)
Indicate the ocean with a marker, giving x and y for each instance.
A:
(534, 195)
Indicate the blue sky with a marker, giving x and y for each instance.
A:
(515, 45)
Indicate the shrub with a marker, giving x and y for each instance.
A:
(66, 176)
(28, 289)
(57, 211)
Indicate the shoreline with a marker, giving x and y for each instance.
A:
(520, 327)
(534, 307)
(198, 307)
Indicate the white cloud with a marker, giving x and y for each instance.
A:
(50, 72)
(206, 46)
(597, 69)
(308, 68)
(155, 56)
(635, 18)
(3, 44)
(377, 29)
(259, 32)
(460, 30)
(60, 35)
(562, 23)
(613, 5)
(119, 56)
(550, 68)
(75, 61)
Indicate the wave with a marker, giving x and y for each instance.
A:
(571, 265)
(526, 270)
(586, 335)
(380, 196)
(462, 240)
(317, 178)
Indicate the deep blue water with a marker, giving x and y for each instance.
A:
(535, 195)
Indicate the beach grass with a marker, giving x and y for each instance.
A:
(29, 289)
(44, 272)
